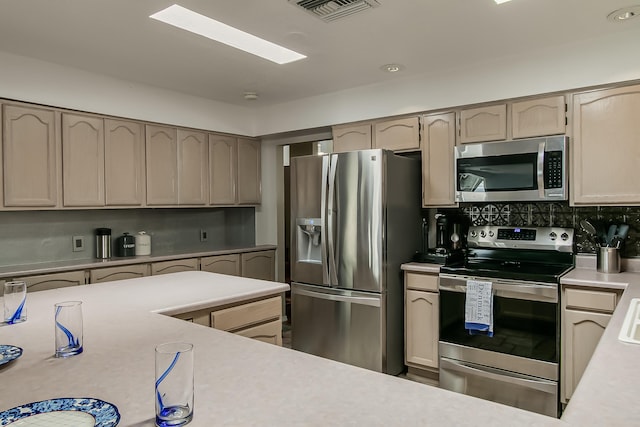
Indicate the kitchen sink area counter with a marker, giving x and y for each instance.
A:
(607, 391)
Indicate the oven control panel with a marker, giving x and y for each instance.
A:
(541, 238)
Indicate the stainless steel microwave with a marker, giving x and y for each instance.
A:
(519, 170)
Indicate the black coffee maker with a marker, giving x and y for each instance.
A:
(450, 233)
(451, 239)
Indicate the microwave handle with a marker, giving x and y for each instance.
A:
(541, 150)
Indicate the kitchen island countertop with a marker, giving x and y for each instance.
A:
(238, 381)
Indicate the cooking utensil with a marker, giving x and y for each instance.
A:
(595, 229)
(611, 233)
(622, 231)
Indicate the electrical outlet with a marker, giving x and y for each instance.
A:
(203, 235)
(77, 243)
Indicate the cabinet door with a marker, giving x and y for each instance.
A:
(165, 267)
(421, 328)
(581, 333)
(351, 138)
(269, 332)
(30, 155)
(124, 163)
(438, 172)
(249, 173)
(538, 117)
(223, 264)
(193, 168)
(110, 274)
(483, 124)
(401, 134)
(606, 147)
(223, 153)
(45, 282)
(162, 165)
(82, 160)
(258, 265)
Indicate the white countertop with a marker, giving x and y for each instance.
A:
(238, 381)
(421, 267)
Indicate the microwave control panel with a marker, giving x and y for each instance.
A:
(553, 169)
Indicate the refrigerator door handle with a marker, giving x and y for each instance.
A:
(333, 275)
(323, 219)
(370, 301)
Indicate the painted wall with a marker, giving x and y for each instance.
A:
(45, 236)
(563, 67)
(32, 80)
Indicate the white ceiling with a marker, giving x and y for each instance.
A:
(116, 38)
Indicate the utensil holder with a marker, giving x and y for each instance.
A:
(608, 260)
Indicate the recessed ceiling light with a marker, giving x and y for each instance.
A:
(624, 14)
(250, 96)
(392, 68)
(501, 1)
(194, 22)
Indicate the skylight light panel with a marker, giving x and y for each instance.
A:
(194, 22)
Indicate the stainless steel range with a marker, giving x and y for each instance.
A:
(518, 364)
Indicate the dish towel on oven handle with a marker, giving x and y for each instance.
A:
(478, 310)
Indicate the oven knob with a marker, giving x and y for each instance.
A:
(474, 233)
(483, 233)
(491, 234)
(553, 235)
(564, 236)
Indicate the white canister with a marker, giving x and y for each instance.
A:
(143, 243)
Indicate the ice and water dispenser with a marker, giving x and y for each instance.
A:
(308, 236)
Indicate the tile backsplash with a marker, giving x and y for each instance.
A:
(558, 215)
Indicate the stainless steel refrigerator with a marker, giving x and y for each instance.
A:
(355, 219)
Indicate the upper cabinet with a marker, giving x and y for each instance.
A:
(438, 174)
(483, 124)
(193, 168)
(82, 160)
(31, 162)
(124, 163)
(162, 165)
(606, 147)
(397, 135)
(177, 166)
(234, 170)
(351, 137)
(249, 172)
(538, 117)
(519, 119)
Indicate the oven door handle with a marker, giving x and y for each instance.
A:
(500, 375)
(526, 291)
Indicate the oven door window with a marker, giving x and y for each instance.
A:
(498, 173)
(521, 327)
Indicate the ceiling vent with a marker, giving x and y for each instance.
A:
(331, 10)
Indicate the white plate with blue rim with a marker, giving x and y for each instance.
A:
(9, 353)
(62, 412)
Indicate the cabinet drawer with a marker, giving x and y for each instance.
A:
(165, 267)
(247, 314)
(110, 274)
(269, 332)
(424, 282)
(53, 281)
(591, 300)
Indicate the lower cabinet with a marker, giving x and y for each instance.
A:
(421, 323)
(260, 319)
(164, 267)
(585, 315)
(259, 265)
(110, 274)
(45, 282)
(223, 264)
